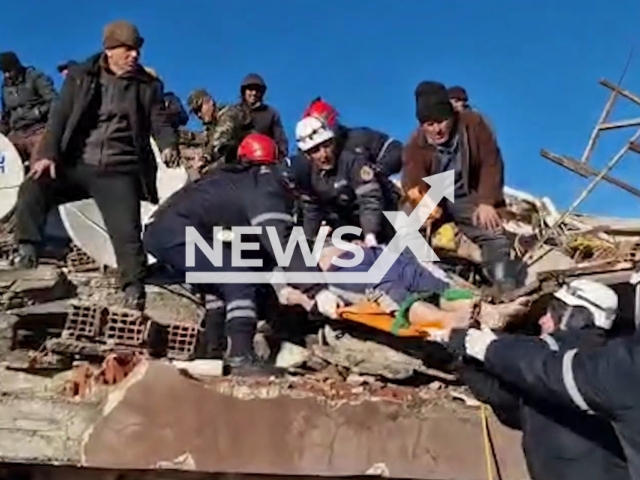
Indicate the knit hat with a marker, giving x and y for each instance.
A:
(458, 93)
(432, 103)
(9, 62)
(121, 34)
(429, 88)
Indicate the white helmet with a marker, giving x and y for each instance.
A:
(599, 299)
(311, 132)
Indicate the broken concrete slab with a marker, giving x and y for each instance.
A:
(164, 416)
(43, 284)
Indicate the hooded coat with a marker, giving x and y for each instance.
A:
(265, 119)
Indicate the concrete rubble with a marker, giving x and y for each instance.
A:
(85, 382)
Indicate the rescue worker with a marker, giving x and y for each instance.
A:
(250, 192)
(98, 145)
(462, 142)
(265, 118)
(596, 381)
(385, 151)
(27, 97)
(225, 127)
(341, 187)
(558, 442)
(63, 68)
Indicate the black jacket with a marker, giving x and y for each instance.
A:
(559, 443)
(177, 115)
(27, 102)
(385, 151)
(147, 115)
(266, 120)
(234, 195)
(602, 381)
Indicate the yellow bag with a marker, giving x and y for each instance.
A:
(446, 237)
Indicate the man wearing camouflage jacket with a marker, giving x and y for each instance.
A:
(225, 127)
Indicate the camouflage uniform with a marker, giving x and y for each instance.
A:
(222, 136)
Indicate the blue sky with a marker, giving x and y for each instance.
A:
(532, 66)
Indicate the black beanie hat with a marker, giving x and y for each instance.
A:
(429, 89)
(432, 103)
(9, 62)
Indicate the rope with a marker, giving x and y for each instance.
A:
(487, 441)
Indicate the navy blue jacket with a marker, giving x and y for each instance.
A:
(232, 195)
(558, 442)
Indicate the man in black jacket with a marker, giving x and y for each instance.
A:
(559, 443)
(265, 118)
(97, 144)
(27, 97)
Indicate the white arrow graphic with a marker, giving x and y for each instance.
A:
(407, 235)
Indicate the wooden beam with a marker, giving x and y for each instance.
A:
(586, 171)
(634, 122)
(634, 147)
(625, 93)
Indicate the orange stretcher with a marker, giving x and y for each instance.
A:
(372, 315)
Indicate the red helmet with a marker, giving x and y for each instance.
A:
(322, 110)
(258, 148)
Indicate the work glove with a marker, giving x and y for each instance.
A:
(170, 157)
(477, 342)
(370, 240)
(328, 303)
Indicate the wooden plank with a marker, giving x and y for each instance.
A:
(620, 91)
(586, 171)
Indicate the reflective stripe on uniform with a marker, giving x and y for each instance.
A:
(570, 381)
(212, 302)
(264, 217)
(234, 304)
(549, 340)
(384, 148)
(366, 188)
(241, 313)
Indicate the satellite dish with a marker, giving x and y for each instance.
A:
(85, 224)
(169, 179)
(11, 176)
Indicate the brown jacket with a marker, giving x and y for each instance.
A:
(481, 161)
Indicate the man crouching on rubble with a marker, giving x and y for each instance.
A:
(559, 442)
(97, 144)
(251, 192)
(462, 142)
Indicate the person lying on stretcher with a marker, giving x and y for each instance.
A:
(422, 294)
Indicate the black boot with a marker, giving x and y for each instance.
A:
(135, 297)
(27, 257)
(506, 275)
(213, 340)
(250, 366)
